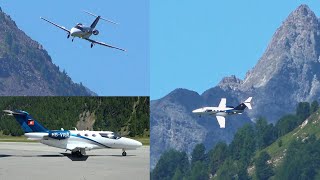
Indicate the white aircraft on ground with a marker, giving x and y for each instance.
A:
(84, 32)
(78, 142)
(223, 110)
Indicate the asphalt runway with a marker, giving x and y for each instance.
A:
(35, 161)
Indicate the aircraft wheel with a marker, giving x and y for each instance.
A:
(124, 153)
(79, 154)
(91, 45)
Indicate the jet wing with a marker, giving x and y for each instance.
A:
(223, 103)
(103, 44)
(221, 121)
(61, 27)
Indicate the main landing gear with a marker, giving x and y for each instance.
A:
(76, 153)
(124, 153)
(92, 45)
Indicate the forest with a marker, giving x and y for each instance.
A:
(253, 151)
(128, 116)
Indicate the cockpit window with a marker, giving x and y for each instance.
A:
(208, 110)
(78, 26)
(110, 135)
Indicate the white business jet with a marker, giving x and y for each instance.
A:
(78, 142)
(223, 110)
(84, 32)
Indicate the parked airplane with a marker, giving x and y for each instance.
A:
(78, 142)
(84, 32)
(223, 110)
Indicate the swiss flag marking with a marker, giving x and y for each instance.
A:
(30, 122)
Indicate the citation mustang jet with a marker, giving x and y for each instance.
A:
(78, 142)
(223, 110)
(84, 32)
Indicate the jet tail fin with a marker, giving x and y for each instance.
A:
(27, 123)
(245, 104)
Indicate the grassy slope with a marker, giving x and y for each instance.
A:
(308, 127)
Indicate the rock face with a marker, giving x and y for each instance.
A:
(289, 70)
(26, 69)
(287, 73)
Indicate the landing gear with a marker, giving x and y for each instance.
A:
(76, 153)
(68, 36)
(72, 39)
(124, 153)
(91, 45)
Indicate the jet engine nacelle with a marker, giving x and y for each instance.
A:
(95, 32)
(59, 134)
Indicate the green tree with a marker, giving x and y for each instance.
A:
(232, 170)
(217, 156)
(177, 175)
(243, 145)
(263, 169)
(286, 124)
(301, 160)
(198, 154)
(303, 111)
(265, 133)
(168, 163)
(314, 106)
(199, 171)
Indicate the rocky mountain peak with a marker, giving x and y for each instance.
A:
(230, 82)
(294, 46)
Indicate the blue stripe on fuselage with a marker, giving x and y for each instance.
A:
(90, 140)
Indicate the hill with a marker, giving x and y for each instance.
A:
(288, 150)
(26, 69)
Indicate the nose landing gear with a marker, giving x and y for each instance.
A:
(124, 153)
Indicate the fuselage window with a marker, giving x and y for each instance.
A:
(86, 134)
(93, 135)
(78, 134)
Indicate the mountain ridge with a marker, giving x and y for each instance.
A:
(26, 69)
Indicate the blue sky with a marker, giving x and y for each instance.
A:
(194, 44)
(105, 71)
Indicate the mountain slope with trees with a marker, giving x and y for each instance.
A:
(290, 149)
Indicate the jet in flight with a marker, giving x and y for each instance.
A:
(84, 32)
(223, 110)
(78, 142)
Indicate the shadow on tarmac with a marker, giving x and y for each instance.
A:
(68, 155)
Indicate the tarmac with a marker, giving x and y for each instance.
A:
(35, 161)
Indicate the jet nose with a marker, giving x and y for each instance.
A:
(196, 111)
(139, 144)
(133, 144)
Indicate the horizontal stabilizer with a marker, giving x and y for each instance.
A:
(101, 17)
